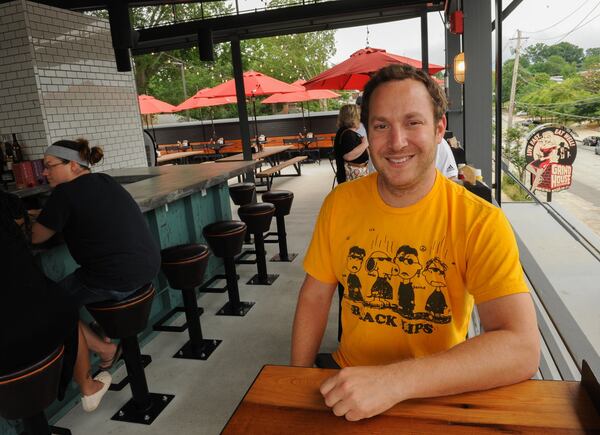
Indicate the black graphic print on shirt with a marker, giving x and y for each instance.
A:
(398, 283)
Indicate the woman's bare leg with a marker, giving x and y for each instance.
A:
(106, 350)
(81, 372)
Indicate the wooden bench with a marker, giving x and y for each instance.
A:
(275, 171)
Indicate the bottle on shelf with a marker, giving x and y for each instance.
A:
(16, 148)
(8, 155)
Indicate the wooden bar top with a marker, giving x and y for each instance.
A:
(286, 400)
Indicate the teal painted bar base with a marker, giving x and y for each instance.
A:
(176, 223)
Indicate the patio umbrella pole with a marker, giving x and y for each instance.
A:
(303, 123)
(255, 123)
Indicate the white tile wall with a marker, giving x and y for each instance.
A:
(58, 80)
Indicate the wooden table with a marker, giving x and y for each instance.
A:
(179, 155)
(266, 152)
(286, 400)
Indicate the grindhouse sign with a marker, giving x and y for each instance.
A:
(550, 152)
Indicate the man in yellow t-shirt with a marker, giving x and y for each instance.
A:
(414, 251)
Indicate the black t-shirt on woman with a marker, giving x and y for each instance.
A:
(105, 231)
(345, 141)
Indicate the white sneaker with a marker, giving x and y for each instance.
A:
(90, 403)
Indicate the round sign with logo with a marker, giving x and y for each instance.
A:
(549, 153)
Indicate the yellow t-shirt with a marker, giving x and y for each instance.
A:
(412, 274)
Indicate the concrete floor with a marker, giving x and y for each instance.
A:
(207, 392)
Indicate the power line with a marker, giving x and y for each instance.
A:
(584, 24)
(559, 21)
(566, 103)
(577, 26)
(567, 115)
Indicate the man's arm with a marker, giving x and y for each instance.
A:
(310, 320)
(507, 353)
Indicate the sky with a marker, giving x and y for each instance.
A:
(546, 21)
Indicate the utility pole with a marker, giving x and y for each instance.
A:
(513, 86)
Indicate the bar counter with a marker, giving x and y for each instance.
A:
(178, 201)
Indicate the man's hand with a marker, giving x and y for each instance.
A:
(361, 392)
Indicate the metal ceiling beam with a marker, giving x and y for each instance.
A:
(92, 5)
(295, 19)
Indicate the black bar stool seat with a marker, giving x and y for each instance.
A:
(282, 200)
(184, 266)
(242, 193)
(258, 217)
(225, 239)
(124, 320)
(25, 394)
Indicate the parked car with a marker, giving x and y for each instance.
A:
(591, 141)
(530, 122)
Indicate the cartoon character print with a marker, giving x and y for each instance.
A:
(354, 262)
(435, 274)
(409, 266)
(381, 265)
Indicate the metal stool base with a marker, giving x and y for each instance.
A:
(290, 258)
(271, 237)
(239, 311)
(146, 359)
(207, 347)
(255, 280)
(160, 325)
(129, 413)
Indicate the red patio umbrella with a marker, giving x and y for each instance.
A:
(198, 102)
(150, 105)
(355, 72)
(300, 97)
(255, 84)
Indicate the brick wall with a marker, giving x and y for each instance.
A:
(59, 80)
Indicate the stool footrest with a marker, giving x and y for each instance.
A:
(240, 258)
(239, 310)
(160, 325)
(256, 279)
(206, 289)
(206, 348)
(290, 258)
(55, 430)
(131, 414)
(271, 237)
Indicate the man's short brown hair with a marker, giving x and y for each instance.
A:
(400, 71)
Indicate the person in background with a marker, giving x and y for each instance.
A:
(105, 232)
(350, 148)
(35, 317)
(433, 250)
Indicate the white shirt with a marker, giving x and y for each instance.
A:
(444, 160)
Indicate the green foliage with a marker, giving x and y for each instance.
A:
(287, 58)
(513, 190)
(540, 52)
(513, 149)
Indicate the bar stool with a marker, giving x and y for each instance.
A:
(124, 320)
(258, 217)
(184, 266)
(225, 239)
(242, 194)
(25, 394)
(282, 200)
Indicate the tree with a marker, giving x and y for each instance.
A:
(554, 65)
(538, 53)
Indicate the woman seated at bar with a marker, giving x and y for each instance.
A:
(36, 318)
(104, 230)
(349, 147)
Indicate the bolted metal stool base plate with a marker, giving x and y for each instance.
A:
(255, 280)
(240, 311)
(129, 413)
(207, 347)
(290, 258)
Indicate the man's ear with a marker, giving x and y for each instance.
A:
(441, 128)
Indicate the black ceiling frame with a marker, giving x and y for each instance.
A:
(283, 21)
